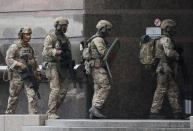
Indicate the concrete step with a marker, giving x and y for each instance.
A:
(191, 122)
(16, 122)
(51, 128)
(119, 123)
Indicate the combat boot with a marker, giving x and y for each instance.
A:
(156, 116)
(53, 116)
(95, 113)
(8, 112)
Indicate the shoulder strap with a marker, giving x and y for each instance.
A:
(91, 38)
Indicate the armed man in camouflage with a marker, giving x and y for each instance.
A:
(16, 65)
(57, 55)
(167, 58)
(99, 73)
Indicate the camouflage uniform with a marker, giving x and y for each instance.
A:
(16, 83)
(166, 83)
(99, 73)
(55, 73)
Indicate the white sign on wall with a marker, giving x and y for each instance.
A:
(153, 32)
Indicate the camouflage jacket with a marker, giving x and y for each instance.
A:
(98, 48)
(165, 49)
(13, 55)
(49, 48)
(167, 55)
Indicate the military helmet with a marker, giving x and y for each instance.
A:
(23, 31)
(104, 23)
(61, 21)
(26, 30)
(167, 23)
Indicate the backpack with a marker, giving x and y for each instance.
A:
(147, 50)
(86, 52)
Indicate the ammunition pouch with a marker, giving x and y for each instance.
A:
(93, 63)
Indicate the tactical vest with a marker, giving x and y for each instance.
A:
(24, 54)
(25, 51)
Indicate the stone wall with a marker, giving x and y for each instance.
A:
(133, 87)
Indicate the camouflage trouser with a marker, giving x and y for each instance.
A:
(58, 89)
(16, 85)
(101, 86)
(166, 85)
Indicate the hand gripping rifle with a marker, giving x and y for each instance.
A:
(28, 74)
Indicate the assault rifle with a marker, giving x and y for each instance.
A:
(28, 75)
